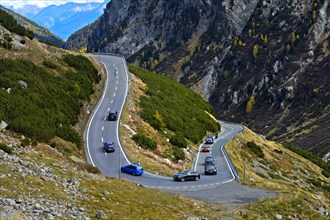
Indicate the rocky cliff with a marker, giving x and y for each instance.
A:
(247, 58)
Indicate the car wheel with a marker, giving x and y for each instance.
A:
(183, 179)
(196, 178)
(122, 170)
(134, 174)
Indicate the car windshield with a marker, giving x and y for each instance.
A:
(184, 172)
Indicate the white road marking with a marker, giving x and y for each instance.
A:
(102, 128)
(105, 118)
(102, 139)
(114, 94)
(111, 101)
(116, 87)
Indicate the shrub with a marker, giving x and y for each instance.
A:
(178, 153)
(172, 105)
(49, 64)
(91, 169)
(10, 24)
(255, 149)
(249, 104)
(25, 142)
(178, 140)
(144, 141)
(50, 105)
(5, 148)
(313, 158)
(325, 173)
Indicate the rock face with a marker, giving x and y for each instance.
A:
(246, 57)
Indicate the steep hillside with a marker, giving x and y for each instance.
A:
(274, 54)
(52, 181)
(40, 183)
(303, 190)
(40, 33)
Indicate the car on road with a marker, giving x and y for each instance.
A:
(112, 116)
(187, 175)
(134, 169)
(205, 148)
(108, 147)
(209, 160)
(209, 140)
(210, 169)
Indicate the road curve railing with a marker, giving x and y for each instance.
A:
(225, 153)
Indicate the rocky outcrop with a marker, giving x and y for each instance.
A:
(230, 51)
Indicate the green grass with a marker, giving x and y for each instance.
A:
(50, 104)
(172, 106)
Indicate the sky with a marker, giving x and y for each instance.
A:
(40, 3)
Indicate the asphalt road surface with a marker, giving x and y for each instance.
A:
(220, 188)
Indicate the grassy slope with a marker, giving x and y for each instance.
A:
(124, 201)
(180, 102)
(289, 174)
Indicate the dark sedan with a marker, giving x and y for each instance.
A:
(187, 175)
(112, 116)
(210, 169)
(108, 147)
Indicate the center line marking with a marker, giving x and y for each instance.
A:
(102, 128)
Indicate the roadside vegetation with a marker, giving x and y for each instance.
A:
(299, 182)
(93, 193)
(40, 104)
(169, 105)
(167, 122)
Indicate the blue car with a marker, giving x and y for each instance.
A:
(109, 147)
(134, 169)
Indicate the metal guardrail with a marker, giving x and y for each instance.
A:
(232, 166)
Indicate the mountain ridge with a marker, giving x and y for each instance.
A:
(230, 53)
(40, 180)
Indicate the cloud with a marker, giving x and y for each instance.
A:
(40, 3)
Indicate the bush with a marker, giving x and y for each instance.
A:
(49, 64)
(10, 24)
(325, 173)
(25, 142)
(255, 149)
(91, 169)
(178, 153)
(144, 141)
(178, 140)
(5, 148)
(50, 105)
(313, 158)
(173, 106)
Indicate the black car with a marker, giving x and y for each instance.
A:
(187, 175)
(210, 169)
(209, 160)
(209, 140)
(109, 147)
(112, 116)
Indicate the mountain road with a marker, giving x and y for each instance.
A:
(220, 188)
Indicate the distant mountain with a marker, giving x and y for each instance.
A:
(27, 10)
(63, 20)
(261, 63)
(40, 33)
